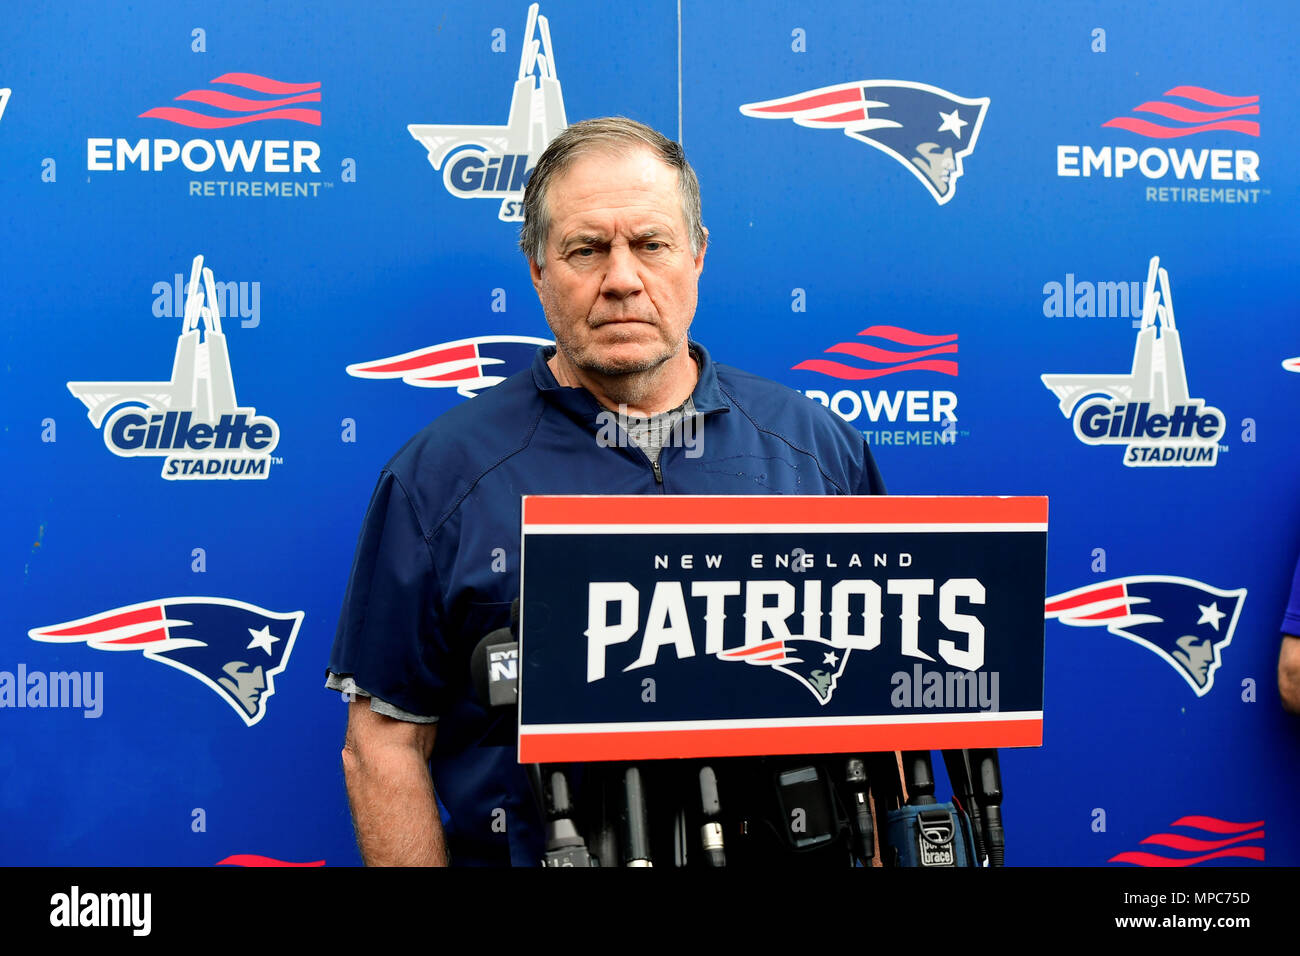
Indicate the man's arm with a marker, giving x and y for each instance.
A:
(386, 764)
(1288, 673)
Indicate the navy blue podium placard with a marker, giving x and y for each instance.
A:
(726, 626)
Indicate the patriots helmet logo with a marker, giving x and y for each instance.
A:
(926, 129)
(814, 662)
(1187, 623)
(235, 648)
(467, 365)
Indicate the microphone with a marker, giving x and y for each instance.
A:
(635, 829)
(919, 774)
(494, 669)
(855, 779)
(964, 796)
(564, 844)
(988, 788)
(711, 805)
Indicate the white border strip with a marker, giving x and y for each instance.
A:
(691, 528)
(679, 73)
(787, 723)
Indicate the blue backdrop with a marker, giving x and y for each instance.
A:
(979, 263)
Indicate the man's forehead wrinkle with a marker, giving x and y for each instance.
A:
(646, 225)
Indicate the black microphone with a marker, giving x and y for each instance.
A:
(494, 664)
(494, 669)
(855, 779)
(564, 844)
(988, 788)
(635, 829)
(919, 774)
(964, 793)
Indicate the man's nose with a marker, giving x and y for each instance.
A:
(622, 276)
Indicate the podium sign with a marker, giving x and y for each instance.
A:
(699, 626)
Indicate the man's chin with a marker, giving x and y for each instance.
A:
(624, 359)
(616, 367)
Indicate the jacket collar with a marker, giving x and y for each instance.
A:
(707, 396)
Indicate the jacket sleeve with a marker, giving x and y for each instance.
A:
(388, 639)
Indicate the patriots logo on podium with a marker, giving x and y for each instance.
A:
(926, 129)
(818, 669)
(1187, 623)
(467, 365)
(235, 648)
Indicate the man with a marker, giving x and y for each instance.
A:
(615, 245)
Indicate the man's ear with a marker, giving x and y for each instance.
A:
(699, 259)
(535, 273)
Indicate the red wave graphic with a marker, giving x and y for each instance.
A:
(1088, 597)
(811, 102)
(101, 624)
(1178, 842)
(225, 101)
(840, 370)
(1120, 611)
(1182, 113)
(1143, 128)
(264, 84)
(198, 121)
(435, 356)
(1209, 97)
(906, 336)
(1215, 825)
(253, 859)
(1151, 859)
(766, 647)
(146, 638)
(873, 354)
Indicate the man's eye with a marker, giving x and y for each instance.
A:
(586, 252)
(653, 246)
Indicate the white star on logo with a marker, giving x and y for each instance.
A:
(1210, 614)
(830, 658)
(262, 639)
(952, 122)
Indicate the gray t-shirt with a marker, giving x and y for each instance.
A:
(653, 433)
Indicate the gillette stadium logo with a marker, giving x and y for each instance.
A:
(235, 649)
(467, 365)
(1148, 410)
(193, 422)
(230, 100)
(1186, 623)
(1181, 112)
(494, 162)
(927, 416)
(928, 131)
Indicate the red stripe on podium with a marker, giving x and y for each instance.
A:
(780, 509)
(753, 742)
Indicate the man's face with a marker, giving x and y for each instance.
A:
(618, 281)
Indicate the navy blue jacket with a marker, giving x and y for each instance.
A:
(437, 563)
